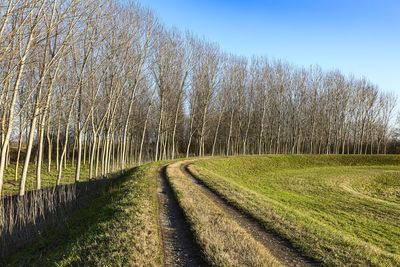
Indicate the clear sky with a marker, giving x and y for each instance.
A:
(361, 37)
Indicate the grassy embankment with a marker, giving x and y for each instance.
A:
(47, 178)
(119, 228)
(223, 241)
(336, 209)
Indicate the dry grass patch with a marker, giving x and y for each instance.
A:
(223, 241)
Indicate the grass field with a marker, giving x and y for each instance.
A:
(119, 228)
(335, 209)
(338, 210)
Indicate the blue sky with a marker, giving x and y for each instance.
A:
(354, 36)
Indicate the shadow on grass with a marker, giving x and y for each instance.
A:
(83, 234)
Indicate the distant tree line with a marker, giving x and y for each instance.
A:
(103, 83)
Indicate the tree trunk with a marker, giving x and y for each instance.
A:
(79, 158)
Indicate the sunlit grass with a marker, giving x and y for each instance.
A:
(336, 209)
(47, 178)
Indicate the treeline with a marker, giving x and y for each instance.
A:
(105, 84)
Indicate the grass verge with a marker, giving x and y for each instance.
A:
(223, 241)
(339, 210)
(119, 228)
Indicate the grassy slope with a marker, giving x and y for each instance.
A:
(48, 178)
(336, 209)
(117, 229)
(223, 241)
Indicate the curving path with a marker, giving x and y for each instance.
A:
(279, 248)
(179, 246)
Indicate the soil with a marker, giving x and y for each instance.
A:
(179, 245)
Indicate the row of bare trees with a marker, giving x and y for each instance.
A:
(103, 83)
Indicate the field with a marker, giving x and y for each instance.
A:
(334, 209)
(266, 210)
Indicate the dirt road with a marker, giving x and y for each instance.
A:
(180, 248)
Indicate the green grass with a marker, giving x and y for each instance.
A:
(336, 209)
(119, 228)
(47, 178)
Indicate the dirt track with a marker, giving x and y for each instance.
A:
(180, 249)
(279, 248)
(179, 246)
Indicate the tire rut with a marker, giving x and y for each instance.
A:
(179, 245)
(280, 248)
